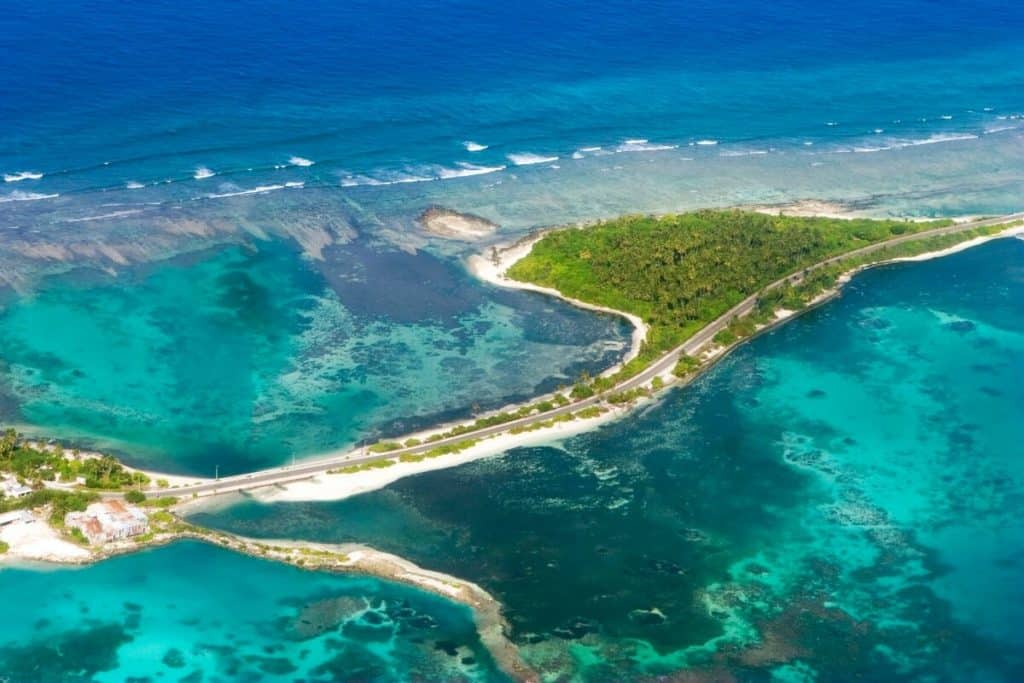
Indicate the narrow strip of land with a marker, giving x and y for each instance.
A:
(662, 365)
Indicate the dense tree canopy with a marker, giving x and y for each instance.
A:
(679, 272)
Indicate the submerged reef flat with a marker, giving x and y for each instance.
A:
(287, 357)
(826, 500)
(146, 615)
(450, 224)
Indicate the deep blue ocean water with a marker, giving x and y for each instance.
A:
(209, 255)
(133, 135)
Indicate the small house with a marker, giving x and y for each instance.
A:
(12, 488)
(108, 520)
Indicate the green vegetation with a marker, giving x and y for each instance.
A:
(135, 497)
(61, 502)
(363, 467)
(680, 272)
(685, 365)
(38, 465)
(384, 446)
(4, 547)
(161, 502)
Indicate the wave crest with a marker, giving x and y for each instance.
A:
(21, 175)
(529, 158)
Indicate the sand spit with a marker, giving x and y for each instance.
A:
(453, 225)
(37, 541)
(806, 208)
(493, 268)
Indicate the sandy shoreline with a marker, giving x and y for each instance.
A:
(493, 268)
(37, 545)
(39, 542)
(327, 487)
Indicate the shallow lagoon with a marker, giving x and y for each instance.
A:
(841, 496)
(197, 613)
(246, 356)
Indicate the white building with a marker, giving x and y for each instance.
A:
(16, 517)
(108, 520)
(12, 489)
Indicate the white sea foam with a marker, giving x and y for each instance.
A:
(946, 117)
(743, 153)
(260, 189)
(903, 143)
(300, 161)
(133, 185)
(473, 146)
(19, 196)
(596, 151)
(21, 175)
(357, 180)
(642, 145)
(528, 159)
(420, 175)
(463, 169)
(942, 137)
(831, 123)
(115, 214)
(999, 129)
(707, 143)
(203, 172)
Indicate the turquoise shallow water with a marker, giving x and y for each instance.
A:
(193, 612)
(838, 498)
(186, 155)
(246, 357)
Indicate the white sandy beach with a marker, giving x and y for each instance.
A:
(1009, 232)
(494, 271)
(340, 486)
(38, 541)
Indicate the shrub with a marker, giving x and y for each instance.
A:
(135, 497)
(725, 337)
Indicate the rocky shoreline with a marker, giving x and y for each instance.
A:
(349, 558)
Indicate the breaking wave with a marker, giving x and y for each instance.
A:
(528, 159)
(21, 175)
(19, 196)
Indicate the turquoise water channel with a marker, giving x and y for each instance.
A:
(196, 613)
(246, 356)
(838, 498)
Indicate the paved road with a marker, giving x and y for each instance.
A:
(310, 468)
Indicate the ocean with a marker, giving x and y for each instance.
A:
(210, 258)
(837, 500)
(139, 138)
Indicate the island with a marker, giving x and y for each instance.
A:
(694, 285)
